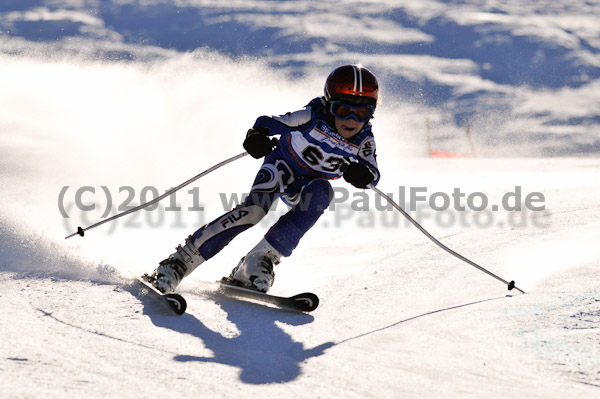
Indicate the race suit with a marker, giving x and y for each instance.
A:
(310, 152)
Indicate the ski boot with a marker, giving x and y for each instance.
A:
(255, 270)
(178, 265)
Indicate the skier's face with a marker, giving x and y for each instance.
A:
(348, 128)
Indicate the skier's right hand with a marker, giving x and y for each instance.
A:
(257, 142)
(357, 174)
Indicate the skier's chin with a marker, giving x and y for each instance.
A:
(347, 130)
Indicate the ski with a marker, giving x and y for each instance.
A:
(175, 302)
(305, 302)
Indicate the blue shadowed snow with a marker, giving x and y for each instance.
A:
(457, 59)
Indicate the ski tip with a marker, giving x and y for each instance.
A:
(177, 303)
(307, 302)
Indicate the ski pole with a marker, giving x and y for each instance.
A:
(81, 230)
(510, 284)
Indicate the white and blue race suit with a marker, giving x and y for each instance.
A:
(310, 152)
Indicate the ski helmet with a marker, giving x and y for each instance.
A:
(354, 84)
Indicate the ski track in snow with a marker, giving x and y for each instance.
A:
(95, 108)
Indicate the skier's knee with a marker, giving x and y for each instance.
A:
(260, 199)
(321, 192)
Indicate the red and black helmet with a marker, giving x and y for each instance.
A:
(353, 84)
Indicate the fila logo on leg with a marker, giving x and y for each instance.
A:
(233, 218)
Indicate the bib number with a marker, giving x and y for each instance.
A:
(314, 157)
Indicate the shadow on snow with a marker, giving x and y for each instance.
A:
(262, 351)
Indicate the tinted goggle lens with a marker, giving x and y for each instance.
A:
(344, 111)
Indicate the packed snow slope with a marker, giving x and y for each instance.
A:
(106, 104)
(398, 318)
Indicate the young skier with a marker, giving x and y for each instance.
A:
(331, 137)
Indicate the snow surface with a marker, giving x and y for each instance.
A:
(94, 97)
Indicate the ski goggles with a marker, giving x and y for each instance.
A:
(342, 111)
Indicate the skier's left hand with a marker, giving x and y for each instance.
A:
(358, 174)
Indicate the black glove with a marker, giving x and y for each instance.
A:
(258, 144)
(357, 174)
